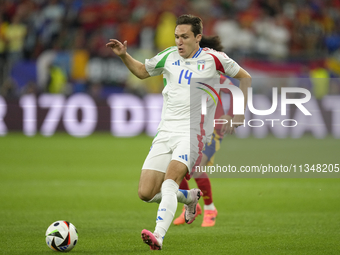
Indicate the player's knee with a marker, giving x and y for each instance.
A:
(144, 196)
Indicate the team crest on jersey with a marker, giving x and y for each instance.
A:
(200, 65)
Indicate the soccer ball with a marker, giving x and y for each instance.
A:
(61, 236)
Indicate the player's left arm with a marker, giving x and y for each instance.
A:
(245, 82)
(232, 69)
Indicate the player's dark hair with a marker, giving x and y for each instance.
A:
(194, 21)
(212, 42)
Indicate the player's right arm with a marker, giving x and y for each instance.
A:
(135, 67)
(227, 128)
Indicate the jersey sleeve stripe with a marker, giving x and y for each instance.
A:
(161, 63)
(170, 48)
(218, 64)
(200, 142)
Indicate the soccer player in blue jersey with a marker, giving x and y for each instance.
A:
(173, 154)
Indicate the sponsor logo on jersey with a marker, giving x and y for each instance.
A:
(200, 65)
(187, 63)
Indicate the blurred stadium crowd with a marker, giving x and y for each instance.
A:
(58, 46)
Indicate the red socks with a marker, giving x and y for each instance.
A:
(184, 184)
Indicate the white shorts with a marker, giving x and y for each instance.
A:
(173, 146)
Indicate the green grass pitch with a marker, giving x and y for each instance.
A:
(92, 182)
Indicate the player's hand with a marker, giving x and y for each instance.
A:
(117, 47)
(239, 119)
(226, 128)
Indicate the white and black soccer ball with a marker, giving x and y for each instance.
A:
(61, 236)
